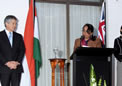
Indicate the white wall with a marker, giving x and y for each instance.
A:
(19, 8)
(114, 21)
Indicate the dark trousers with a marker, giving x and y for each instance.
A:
(11, 79)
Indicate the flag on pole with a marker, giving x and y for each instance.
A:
(29, 42)
(36, 50)
(101, 30)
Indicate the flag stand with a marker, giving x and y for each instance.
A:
(60, 62)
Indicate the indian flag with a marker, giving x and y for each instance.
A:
(32, 45)
(36, 51)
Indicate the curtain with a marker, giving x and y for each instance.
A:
(52, 26)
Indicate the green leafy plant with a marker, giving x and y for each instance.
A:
(93, 80)
(100, 82)
(105, 83)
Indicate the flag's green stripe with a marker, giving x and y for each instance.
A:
(37, 56)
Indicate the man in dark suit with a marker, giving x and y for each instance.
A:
(118, 46)
(12, 51)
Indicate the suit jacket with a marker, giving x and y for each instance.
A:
(96, 43)
(118, 48)
(8, 53)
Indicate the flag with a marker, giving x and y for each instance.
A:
(36, 50)
(101, 29)
(29, 42)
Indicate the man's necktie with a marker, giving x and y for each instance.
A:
(10, 38)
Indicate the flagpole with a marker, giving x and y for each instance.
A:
(33, 37)
(105, 23)
(34, 11)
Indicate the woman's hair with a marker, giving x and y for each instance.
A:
(89, 30)
(121, 27)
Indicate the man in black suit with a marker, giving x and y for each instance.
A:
(12, 51)
(118, 46)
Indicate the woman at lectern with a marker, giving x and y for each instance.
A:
(87, 39)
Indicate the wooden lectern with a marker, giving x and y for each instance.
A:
(84, 57)
(60, 62)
